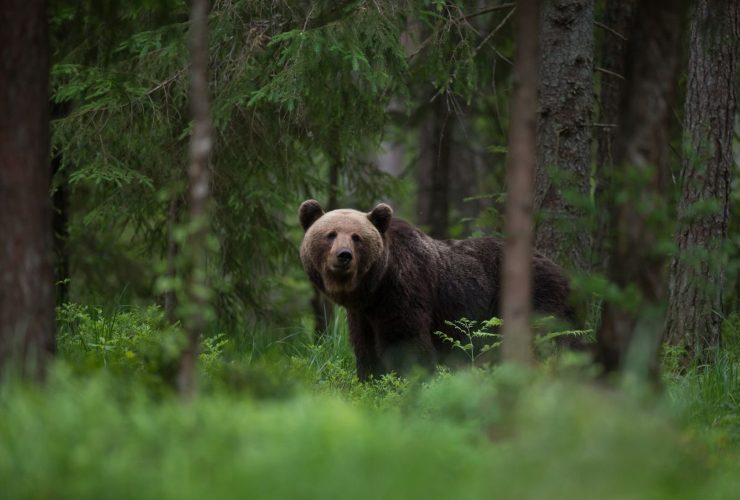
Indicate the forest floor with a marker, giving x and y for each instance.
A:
(288, 419)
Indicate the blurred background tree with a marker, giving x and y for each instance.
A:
(564, 131)
(699, 266)
(27, 323)
(631, 325)
(517, 274)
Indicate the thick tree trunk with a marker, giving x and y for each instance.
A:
(197, 291)
(519, 231)
(698, 271)
(564, 130)
(640, 148)
(433, 171)
(618, 18)
(26, 269)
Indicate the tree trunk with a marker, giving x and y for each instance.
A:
(26, 269)
(640, 148)
(519, 231)
(433, 171)
(618, 19)
(170, 295)
(197, 291)
(697, 274)
(564, 130)
(468, 163)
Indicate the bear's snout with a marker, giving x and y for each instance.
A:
(344, 256)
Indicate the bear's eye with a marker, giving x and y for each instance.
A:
(355, 237)
(331, 235)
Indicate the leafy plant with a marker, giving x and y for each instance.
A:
(474, 339)
(471, 337)
(129, 342)
(549, 335)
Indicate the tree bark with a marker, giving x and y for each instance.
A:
(26, 269)
(697, 274)
(640, 148)
(618, 19)
(433, 171)
(519, 231)
(564, 130)
(170, 296)
(197, 291)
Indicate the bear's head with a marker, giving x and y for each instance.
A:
(344, 249)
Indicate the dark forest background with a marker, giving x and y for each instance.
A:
(153, 157)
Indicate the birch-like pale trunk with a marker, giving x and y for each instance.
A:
(199, 193)
(516, 297)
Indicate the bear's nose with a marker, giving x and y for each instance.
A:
(344, 256)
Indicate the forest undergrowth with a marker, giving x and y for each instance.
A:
(288, 419)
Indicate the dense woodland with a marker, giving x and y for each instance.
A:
(159, 337)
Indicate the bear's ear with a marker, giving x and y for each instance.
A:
(381, 217)
(309, 212)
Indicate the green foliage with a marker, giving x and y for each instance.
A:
(447, 55)
(548, 337)
(77, 440)
(357, 61)
(290, 95)
(102, 426)
(130, 343)
(472, 338)
(709, 394)
(477, 433)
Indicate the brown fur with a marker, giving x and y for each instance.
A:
(400, 285)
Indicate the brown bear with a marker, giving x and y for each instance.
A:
(399, 285)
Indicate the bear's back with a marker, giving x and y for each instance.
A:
(459, 277)
(463, 277)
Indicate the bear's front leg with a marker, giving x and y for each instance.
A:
(362, 339)
(405, 343)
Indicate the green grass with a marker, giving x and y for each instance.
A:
(293, 422)
(76, 441)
